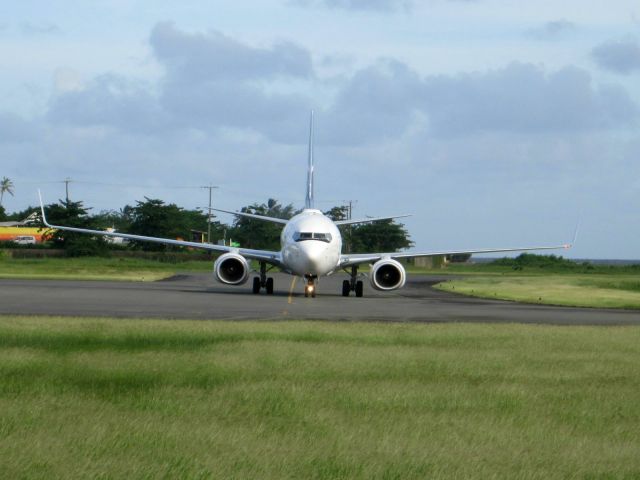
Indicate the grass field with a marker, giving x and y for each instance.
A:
(581, 290)
(95, 268)
(88, 398)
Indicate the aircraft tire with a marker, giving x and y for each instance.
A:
(270, 285)
(346, 288)
(256, 285)
(359, 288)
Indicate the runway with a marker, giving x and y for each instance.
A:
(198, 296)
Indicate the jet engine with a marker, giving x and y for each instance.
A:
(232, 269)
(387, 274)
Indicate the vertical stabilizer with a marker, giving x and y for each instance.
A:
(309, 200)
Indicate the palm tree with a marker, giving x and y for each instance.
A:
(6, 185)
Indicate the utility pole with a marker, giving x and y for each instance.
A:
(210, 188)
(349, 216)
(66, 188)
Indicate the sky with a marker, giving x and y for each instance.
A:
(495, 123)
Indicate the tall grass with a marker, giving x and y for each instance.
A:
(146, 399)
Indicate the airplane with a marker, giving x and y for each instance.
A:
(311, 247)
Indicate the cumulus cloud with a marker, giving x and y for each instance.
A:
(211, 82)
(524, 98)
(382, 102)
(551, 30)
(110, 101)
(214, 56)
(619, 56)
(214, 83)
(363, 5)
(378, 102)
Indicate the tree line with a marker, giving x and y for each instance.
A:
(155, 218)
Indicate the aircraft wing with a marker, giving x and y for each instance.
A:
(358, 258)
(273, 258)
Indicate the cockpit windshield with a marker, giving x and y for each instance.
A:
(302, 236)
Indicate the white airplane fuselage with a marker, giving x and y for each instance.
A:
(311, 244)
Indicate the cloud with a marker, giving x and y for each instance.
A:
(619, 56)
(387, 100)
(361, 5)
(32, 29)
(215, 56)
(110, 101)
(15, 129)
(524, 98)
(377, 103)
(213, 83)
(551, 30)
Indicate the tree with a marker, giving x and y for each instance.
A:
(342, 213)
(120, 220)
(73, 214)
(22, 214)
(257, 233)
(3, 214)
(6, 186)
(381, 236)
(338, 213)
(152, 218)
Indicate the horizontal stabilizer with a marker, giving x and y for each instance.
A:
(369, 220)
(254, 216)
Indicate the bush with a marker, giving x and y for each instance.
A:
(530, 260)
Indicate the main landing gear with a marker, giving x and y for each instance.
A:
(310, 287)
(353, 285)
(263, 281)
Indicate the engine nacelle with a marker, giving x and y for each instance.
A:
(232, 269)
(387, 274)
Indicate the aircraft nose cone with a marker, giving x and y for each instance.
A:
(314, 255)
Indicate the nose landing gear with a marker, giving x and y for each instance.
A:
(310, 287)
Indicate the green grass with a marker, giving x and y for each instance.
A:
(95, 268)
(619, 290)
(89, 398)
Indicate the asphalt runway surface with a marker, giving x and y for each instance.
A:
(199, 296)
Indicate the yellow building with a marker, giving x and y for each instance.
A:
(8, 234)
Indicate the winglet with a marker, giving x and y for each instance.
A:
(44, 218)
(575, 234)
(567, 246)
(309, 200)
